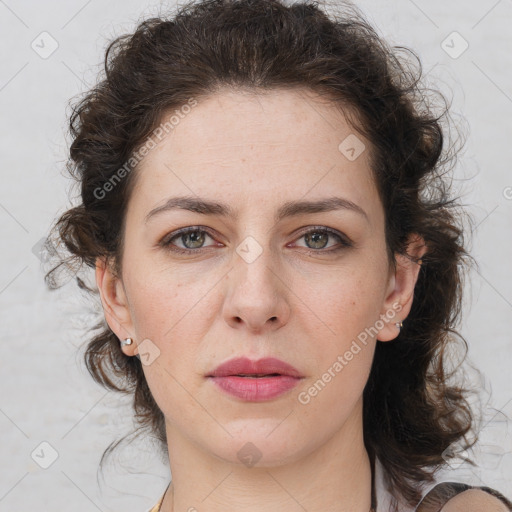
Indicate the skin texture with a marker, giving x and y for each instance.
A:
(254, 153)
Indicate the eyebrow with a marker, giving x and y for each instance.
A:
(289, 209)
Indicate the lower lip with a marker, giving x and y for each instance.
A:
(256, 389)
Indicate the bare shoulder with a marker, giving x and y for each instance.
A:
(475, 500)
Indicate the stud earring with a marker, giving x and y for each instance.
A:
(399, 325)
(127, 341)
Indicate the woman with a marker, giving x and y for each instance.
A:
(279, 260)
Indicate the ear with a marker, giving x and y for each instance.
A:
(115, 304)
(400, 291)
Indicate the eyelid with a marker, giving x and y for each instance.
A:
(166, 240)
(344, 241)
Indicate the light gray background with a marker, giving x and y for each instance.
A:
(46, 393)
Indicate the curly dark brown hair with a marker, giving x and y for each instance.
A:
(412, 410)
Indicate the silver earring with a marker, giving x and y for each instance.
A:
(399, 325)
(127, 341)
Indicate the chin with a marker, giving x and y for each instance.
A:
(261, 443)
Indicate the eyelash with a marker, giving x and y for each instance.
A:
(166, 241)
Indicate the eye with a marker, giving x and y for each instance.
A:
(192, 239)
(317, 239)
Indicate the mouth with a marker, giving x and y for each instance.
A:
(255, 381)
(257, 376)
(250, 369)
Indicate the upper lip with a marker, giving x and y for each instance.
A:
(245, 366)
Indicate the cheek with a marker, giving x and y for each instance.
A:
(343, 352)
(164, 300)
(347, 308)
(345, 300)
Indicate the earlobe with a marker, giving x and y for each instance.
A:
(400, 292)
(115, 304)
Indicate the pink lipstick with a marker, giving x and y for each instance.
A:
(255, 381)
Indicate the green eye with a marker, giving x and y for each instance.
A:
(193, 238)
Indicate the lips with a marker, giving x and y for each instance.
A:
(244, 367)
(255, 381)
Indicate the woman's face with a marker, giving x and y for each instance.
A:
(264, 274)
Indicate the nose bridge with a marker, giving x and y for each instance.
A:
(255, 266)
(257, 295)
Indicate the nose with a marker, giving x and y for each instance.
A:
(257, 295)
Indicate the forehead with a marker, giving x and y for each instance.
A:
(247, 146)
(245, 119)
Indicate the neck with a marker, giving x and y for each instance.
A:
(333, 477)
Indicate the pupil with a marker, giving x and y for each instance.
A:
(316, 237)
(194, 238)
